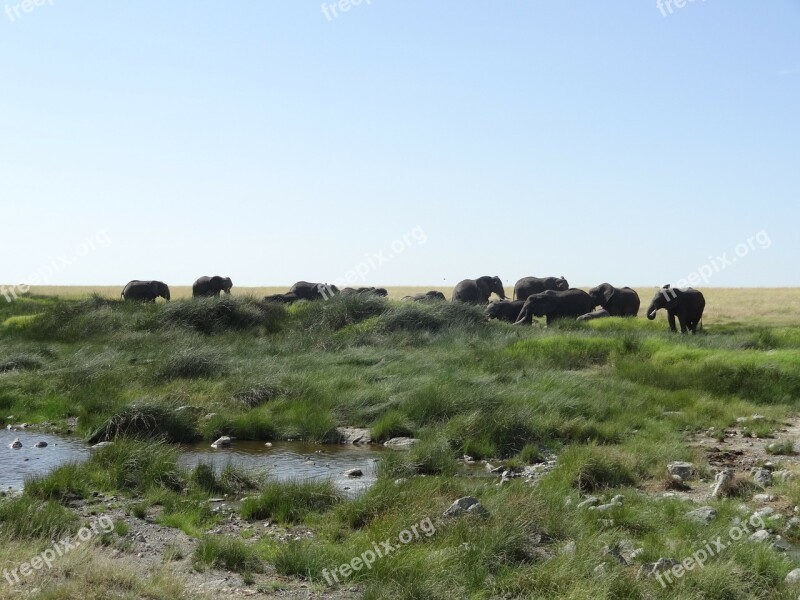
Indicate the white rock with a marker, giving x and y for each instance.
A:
(401, 443)
(223, 442)
(684, 470)
(793, 577)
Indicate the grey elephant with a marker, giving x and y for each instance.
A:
(554, 305)
(306, 290)
(145, 291)
(504, 310)
(477, 291)
(365, 291)
(287, 298)
(211, 286)
(686, 304)
(432, 295)
(536, 285)
(597, 314)
(619, 302)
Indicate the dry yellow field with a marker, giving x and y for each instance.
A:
(774, 306)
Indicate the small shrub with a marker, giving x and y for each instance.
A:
(147, 421)
(290, 502)
(229, 553)
(26, 518)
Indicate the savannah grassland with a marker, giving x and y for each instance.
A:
(614, 400)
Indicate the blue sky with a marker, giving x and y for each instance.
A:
(602, 141)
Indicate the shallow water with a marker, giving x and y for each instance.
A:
(294, 460)
(15, 465)
(283, 461)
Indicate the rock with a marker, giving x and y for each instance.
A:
(722, 483)
(353, 473)
(764, 512)
(762, 535)
(223, 442)
(764, 498)
(781, 545)
(401, 443)
(99, 445)
(705, 514)
(624, 552)
(660, 566)
(762, 477)
(783, 476)
(793, 577)
(618, 499)
(354, 435)
(614, 503)
(15, 445)
(684, 470)
(600, 569)
(569, 548)
(467, 504)
(268, 444)
(40, 444)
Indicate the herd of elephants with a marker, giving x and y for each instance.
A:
(549, 297)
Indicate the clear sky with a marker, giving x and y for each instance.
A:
(264, 140)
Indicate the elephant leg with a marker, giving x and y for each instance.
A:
(550, 320)
(683, 322)
(671, 319)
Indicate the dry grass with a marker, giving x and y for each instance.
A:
(766, 306)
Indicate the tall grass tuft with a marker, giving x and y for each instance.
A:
(229, 553)
(30, 518)
(193, 363)
(147, 421)
(216, 315)
(290, 502)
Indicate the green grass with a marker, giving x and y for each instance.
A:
(613, 399)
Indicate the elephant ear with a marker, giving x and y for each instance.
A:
(608, 294)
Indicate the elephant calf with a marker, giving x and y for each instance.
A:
(211, 286)
(504, 310)
(287, 298)
(425, 296)
(365, 291)
(685, 304)
(145, 291)
(306, 290)
(598, 314)
(555, 305)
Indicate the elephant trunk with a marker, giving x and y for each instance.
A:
(651, 312)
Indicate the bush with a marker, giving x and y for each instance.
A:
(30, 518)
(338, 312)
(192, 363)
(229, 553)
(431, 316)
(290, 502)
(214, 315)
(147, 421)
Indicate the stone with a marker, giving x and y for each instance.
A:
(600, 569)
(401, 443)
(353, 473)
(781, 545)
(762, 535)
(764, 498)
(783, 476)
(764, 512)
(590, 501)
(722, 483)
(569, 548)
(40, 444)
(223, 442)
(762, 477)
(793, 577)
(660, 566)
(99, 445)
(467, 504)
(354, 435)
(15, 445)
(704, 514)
(684, 470)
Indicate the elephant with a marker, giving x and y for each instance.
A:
(287, 298)
(619, 302)
(365, 291)
(313, 291)
(211, 286)
(432, 295)
(504, 310)
(555, 305)
(477, 291)
(687, 304)
(146, 291)
(598, 314)
(536, 285)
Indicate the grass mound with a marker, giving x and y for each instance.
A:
(146, 421)
(21, 362)
(215, 315)
(192, 363)
(431, 316)
(291, 502)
